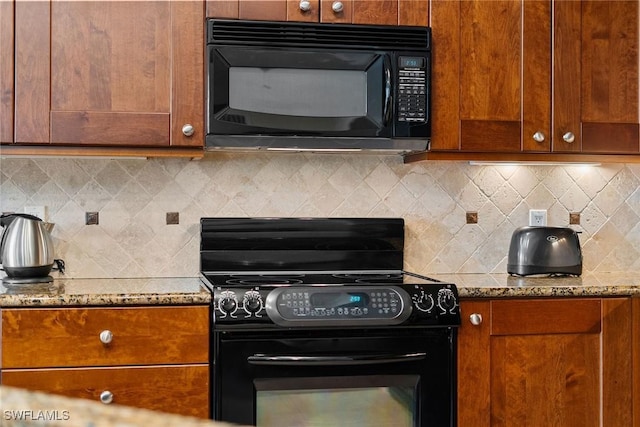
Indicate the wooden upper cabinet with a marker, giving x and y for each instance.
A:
(526, 87)
(596, 73)
(109, 73)
(375, 12)
(6, 72)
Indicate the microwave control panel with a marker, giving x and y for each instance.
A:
(412, 89)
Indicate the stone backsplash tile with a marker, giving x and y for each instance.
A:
(133, 198)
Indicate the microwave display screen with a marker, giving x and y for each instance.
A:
(412, 62)
(298, 92)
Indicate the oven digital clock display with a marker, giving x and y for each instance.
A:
(339, 299)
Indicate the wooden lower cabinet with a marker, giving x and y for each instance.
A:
(153, 357)
(545, 362)
(173, 389)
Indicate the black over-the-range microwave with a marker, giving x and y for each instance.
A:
(317, 87)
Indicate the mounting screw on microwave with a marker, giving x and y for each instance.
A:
(538, 217)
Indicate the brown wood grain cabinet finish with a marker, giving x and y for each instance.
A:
(546, 362)
(6, 72)
(173, 389)
(102, 73)
(157, 357)
(635, 342)
(373, 12)
(70, 337)
(550, 69)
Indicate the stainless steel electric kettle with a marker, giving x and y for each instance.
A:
(26, 248)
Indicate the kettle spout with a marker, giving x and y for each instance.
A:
(48, 226)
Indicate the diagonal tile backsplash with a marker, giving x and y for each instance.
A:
(133, 197)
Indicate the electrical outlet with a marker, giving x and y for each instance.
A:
(538, 217)
(39, 211)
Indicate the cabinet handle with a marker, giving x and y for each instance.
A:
(305, 6)
(188, 129)
(538, 137)
(475, 319)
(106, 336)
(106, 397)
(569, 137)
(337, 6)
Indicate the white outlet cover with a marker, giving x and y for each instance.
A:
(538, 217)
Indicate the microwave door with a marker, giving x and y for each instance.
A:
(260, 91)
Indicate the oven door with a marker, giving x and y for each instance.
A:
(398, 377)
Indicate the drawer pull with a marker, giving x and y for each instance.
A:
(106, 397)
(106, 336)
(476, 319)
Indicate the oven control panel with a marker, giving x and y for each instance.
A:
(353, 305)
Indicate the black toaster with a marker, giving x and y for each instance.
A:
(544, 250)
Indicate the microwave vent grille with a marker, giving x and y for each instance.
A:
(296, 34)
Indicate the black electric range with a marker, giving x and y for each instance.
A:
(314, 322)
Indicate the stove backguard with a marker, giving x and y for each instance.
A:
(301, 244)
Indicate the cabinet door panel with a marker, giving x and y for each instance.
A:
(175, 389)
(545, 380)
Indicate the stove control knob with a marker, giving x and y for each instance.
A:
(447, 301)
(228, 303)
(252, 302)
(423, 301)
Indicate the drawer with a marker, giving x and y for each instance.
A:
(176, 389)
(71, 337)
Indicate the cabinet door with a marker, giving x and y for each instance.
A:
(175, 389)
(545, 362)
(109, 73)
(6, 72)
(596, 77)
(481, 86)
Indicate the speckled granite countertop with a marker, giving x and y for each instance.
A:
(190, 290)
(21, 408)
(504, 285)
(106, 292)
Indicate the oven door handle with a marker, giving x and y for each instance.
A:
(357, 359)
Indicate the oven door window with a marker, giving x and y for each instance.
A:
(273, 91)
(372, 401)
